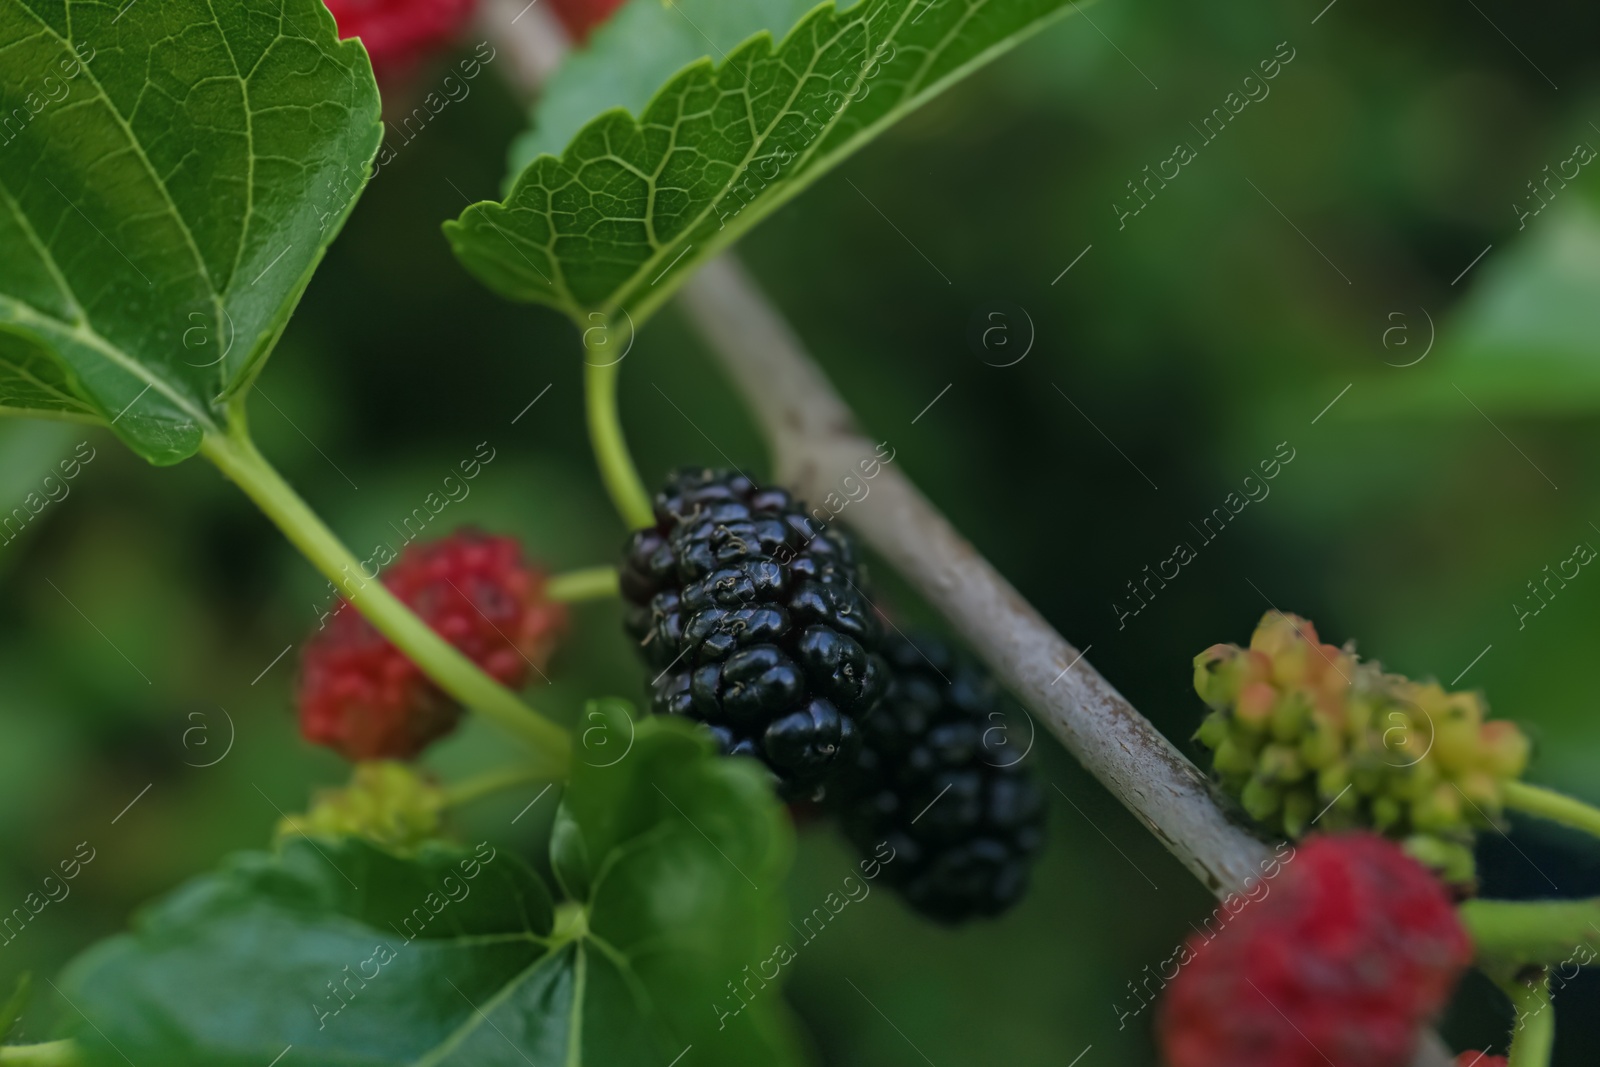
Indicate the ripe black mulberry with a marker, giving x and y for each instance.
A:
(941, 778)
(754, 617)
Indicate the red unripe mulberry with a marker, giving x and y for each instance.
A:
(1352, 950)
(361, 696)
(398, 33)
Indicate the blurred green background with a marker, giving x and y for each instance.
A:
(1321, 242)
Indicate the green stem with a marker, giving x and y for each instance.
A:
(1549, 804)
(590, 583)
(611, 447)
(1535, 1036)
(1509, 935)
(236, 456)
(48, 1054)
(488, 783)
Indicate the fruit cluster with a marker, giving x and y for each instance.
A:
(1303, 732)
(756, 621)
(360, 695)
(759, 624)
(1352, 952)
(938, 780)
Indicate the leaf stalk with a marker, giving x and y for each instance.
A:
(621, 477)
(1549, 804)
(488, 783)
(1512, 934)
(590, 583)
(1535, 1036)
(236, 456)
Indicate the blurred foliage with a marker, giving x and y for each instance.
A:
(1398, 144)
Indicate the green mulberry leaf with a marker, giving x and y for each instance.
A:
(634, 53)
(617, 222)
(355, 957)
(348, 953)
(689, 853)
(170, 175)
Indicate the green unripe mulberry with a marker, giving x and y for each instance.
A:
(1307, 737)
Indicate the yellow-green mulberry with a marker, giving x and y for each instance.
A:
(1305, 733)
(386, 802)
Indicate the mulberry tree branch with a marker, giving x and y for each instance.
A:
(816, 442)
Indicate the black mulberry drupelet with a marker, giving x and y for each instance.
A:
(938, 778)
(755, 619)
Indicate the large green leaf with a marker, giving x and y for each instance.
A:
(359, 958)
(685, 853)
(617, 222)
(170, 175)
(235, 965)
